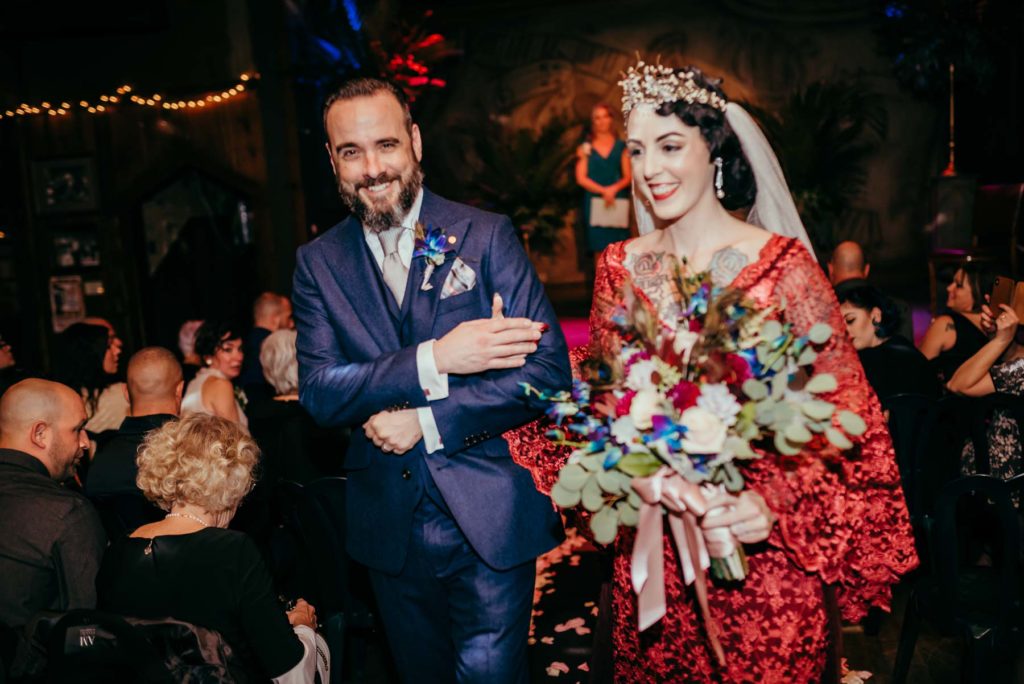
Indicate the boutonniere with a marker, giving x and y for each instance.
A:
(432, 243)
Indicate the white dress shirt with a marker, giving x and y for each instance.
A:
(434, 384)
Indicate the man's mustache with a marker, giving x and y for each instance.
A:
(382, 178)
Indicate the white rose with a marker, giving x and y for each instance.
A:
(645, 404)
(639, 377)
(624, 431)
(683, 343)
(719, 400)
(705, 432)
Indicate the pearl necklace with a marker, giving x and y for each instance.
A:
(189, 516)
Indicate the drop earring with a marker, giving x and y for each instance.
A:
(719, 180)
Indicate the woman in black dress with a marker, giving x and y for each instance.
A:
(954, 337)
(189, 567)
(892, 364)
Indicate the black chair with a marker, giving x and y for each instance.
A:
(982, 605)
(93, 646)
(912, 419)
(338, 588)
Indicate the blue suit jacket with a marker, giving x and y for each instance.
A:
(357, 356)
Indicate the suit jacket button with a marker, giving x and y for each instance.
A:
(406, 474)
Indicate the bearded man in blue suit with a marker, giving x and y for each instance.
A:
(417, 319)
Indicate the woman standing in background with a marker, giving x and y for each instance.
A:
(603, 171)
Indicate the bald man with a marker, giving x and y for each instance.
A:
(270, 312)
(51, 539)
(153, 390)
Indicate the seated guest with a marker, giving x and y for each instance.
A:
(154, 397)
(287, 434)
(954, 337)
(86, 360)
(270, 312)
(997, 367)
(891, 362)
(190, 361)
(187, 566)
(51, 539)
(212, 391)
(849, 268)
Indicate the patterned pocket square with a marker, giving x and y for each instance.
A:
(460, 279)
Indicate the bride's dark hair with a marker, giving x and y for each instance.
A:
(738, 178)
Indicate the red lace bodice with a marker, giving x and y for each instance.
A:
(844, 525)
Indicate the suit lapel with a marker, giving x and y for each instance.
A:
(435, 212)
(358, 278)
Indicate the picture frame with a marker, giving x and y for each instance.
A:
(64, 185)
(76, 247)
(67, 301)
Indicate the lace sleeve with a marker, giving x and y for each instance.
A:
(844, 518)
(528, 445)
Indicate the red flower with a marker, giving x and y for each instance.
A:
(684, 395)
(622, 408)
(739, 369)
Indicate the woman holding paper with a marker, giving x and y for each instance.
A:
(603, 171)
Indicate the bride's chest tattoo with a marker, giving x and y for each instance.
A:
(652, 272)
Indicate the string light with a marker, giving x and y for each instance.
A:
(103, 101)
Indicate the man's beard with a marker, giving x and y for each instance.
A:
(378, 218)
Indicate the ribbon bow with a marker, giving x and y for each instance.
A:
(685, 503)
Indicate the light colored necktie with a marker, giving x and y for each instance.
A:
(395, 272)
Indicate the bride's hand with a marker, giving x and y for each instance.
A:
(747, 516)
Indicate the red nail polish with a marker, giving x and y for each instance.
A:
(544, 327)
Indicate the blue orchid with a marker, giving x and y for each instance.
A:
(663, 429)
(432, 243)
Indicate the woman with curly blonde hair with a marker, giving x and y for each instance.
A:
(189, 567)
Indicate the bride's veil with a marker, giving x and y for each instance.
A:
(773, 207)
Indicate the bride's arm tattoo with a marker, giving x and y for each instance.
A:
(726, 264)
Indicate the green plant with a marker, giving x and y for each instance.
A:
(823, 136)
(525, 174)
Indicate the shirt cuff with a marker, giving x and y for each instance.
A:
(431, 437)
(434, 384)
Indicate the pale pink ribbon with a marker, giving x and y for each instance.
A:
(685, 503)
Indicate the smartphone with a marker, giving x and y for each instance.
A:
(1002, 293)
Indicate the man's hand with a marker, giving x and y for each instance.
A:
(487, 343)
(394, 432)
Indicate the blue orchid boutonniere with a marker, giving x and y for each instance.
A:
(432, 243)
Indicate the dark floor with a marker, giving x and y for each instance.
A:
(565, 616)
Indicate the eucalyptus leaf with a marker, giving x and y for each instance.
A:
(634, 499)
(639, 465)
(593, 496)
(573, 477)
(729, 475)
(628, 515)
(594, 463)
(852, 423)
(605, 525)
(779, 383)
(807, 357)
(771, 329)
(819, 333)
(609, 481)
(837, 438)
(818, 426)
(797, 433)
(785, 413)
(823, 382)
(817, 409)
(784, 447)
(755, 389)
(762, 352)
(564, 498)
(739, 447)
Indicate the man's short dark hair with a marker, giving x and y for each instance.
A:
(365, 86)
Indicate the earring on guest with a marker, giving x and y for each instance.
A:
(719, 180)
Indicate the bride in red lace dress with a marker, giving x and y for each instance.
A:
(806, 526)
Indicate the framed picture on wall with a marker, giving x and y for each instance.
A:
(78, 247)
(67, 301)
(64, 185)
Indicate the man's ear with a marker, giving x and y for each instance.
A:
(830, 270)
(40, 435)
(417, 143)
(178, 390)
(867, 271)
(127, 397)
(330, 155)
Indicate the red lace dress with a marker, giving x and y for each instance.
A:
(845, 524)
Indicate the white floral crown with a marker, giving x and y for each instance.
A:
(656, 84)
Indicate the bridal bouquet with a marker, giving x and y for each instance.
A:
(664, 423)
